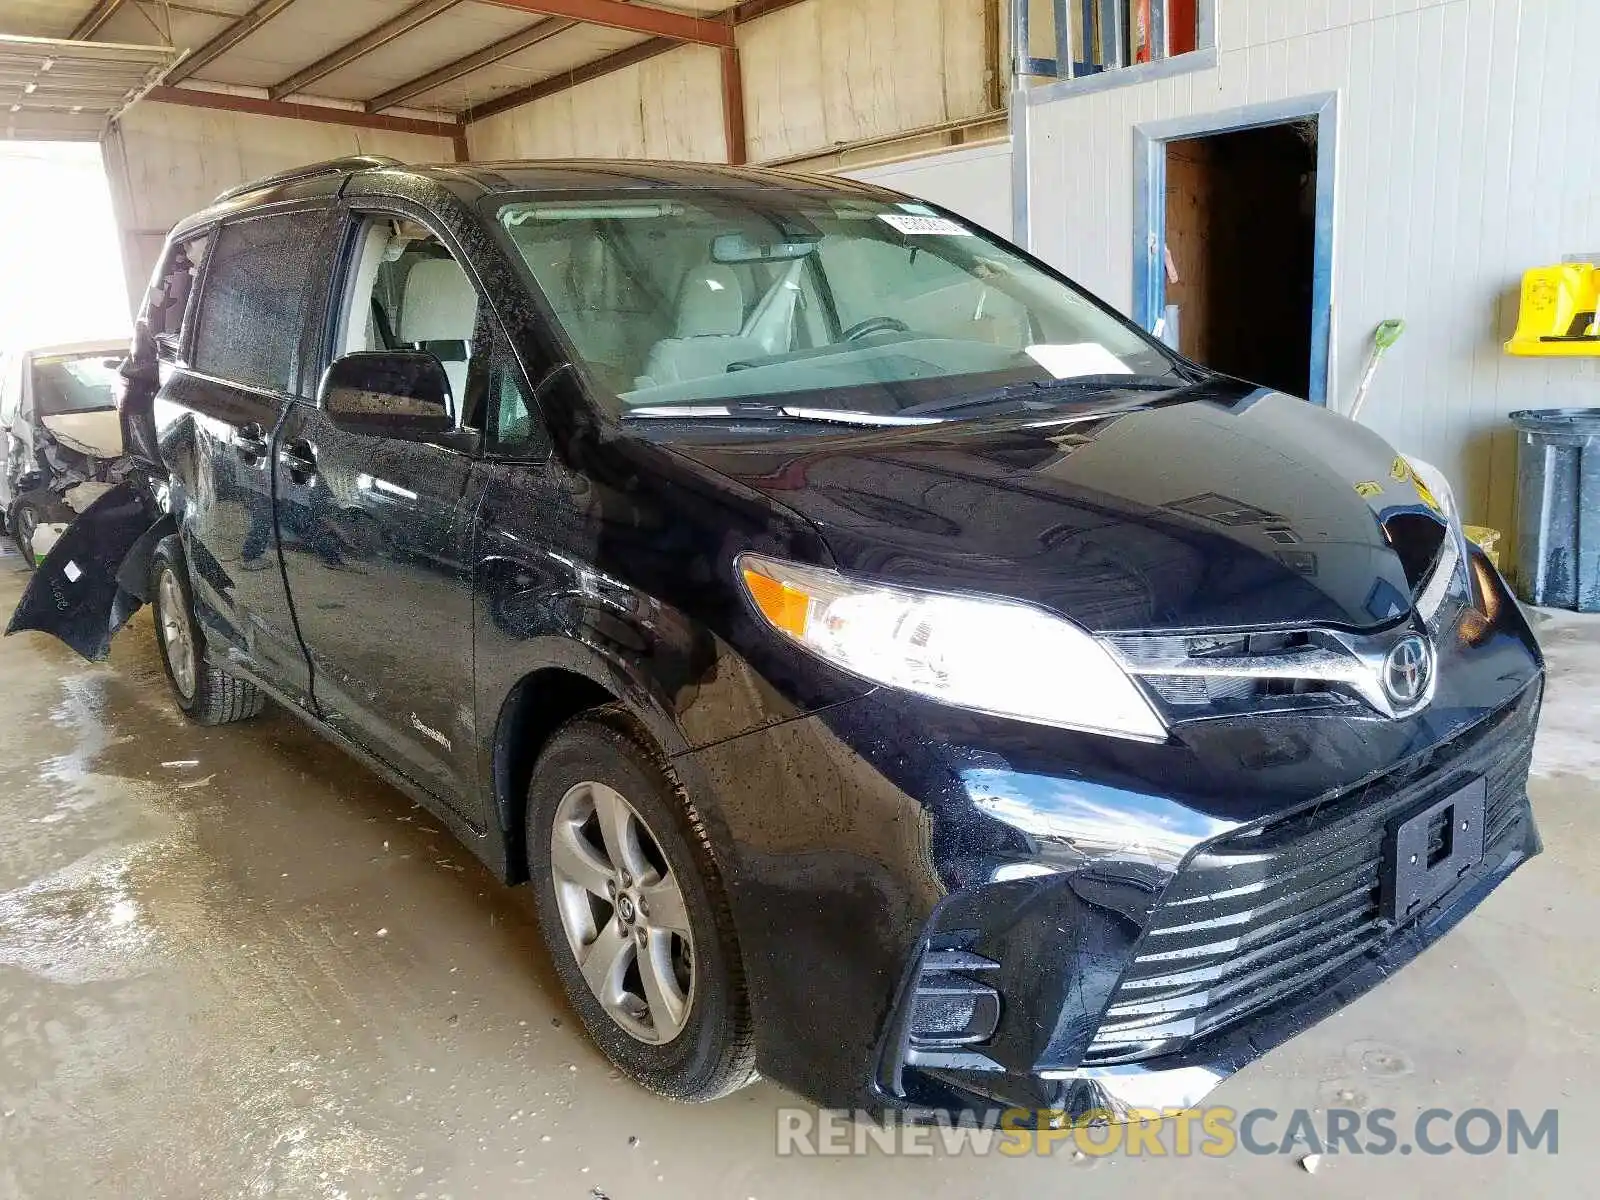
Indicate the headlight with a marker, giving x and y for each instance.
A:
(995, 656)
(1450, 576)
(1434, 488)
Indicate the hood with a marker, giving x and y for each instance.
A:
(97, 434)
(1238, 508)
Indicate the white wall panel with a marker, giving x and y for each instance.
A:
(1466, 153)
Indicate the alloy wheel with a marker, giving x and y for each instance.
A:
(176, 638)
(27, 526)
(623, 912)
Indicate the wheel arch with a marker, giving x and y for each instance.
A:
(538, 704)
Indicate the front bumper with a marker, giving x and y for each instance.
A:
(1258, 935)
(1147, 918)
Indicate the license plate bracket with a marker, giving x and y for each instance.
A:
(1428, 849)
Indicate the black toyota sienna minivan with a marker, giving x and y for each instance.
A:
(893, 672)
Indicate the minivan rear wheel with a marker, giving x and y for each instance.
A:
(634, 911)
(206, 694)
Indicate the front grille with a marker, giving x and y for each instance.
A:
(1195, 676)
(1262, 916)
(1202, 675)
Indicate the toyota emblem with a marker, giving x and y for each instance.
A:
(1408, 671)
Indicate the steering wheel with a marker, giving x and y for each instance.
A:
(875, 325)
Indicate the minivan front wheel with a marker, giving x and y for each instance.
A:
(206, 694)
(634, 912)
(25, 522)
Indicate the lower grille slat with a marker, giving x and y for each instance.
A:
(1263, 916)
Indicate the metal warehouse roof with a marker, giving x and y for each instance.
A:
(448, 60)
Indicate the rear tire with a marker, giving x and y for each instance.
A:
(673, 1012)
(207, 694)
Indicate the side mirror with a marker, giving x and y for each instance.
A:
(389, 393)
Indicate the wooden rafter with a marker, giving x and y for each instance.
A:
(323, 113)
(634, 18)
(751, 10)
(540, 31)
(633, 55)
(230, 37)
(96, 17)
(733, 108)
(395, 27)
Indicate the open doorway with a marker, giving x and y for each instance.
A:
(1233, 256)
(63, 278)
(1241, 236)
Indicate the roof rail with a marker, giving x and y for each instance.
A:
(333, 166)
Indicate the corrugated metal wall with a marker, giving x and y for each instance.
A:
(817, 75)
(167, 161)
(1468, 150)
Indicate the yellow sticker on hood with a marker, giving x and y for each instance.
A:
(1369, 489)
(1405, 473)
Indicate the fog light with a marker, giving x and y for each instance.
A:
(952, 1010)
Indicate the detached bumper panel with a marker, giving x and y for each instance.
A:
(75, 594)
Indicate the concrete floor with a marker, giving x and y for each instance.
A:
(232, 963)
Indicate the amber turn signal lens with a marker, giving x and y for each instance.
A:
(782, 605)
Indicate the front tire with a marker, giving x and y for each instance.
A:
(634, 911)
(25, 520)
(206, 694)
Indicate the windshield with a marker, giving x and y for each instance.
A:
(74, 385)
(697, 304)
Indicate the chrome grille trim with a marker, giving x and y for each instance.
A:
(1347, 664)
(1189, 675)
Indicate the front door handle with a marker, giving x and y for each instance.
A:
(300, 460)
(251, 442)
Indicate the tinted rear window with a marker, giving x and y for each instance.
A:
(253, 309)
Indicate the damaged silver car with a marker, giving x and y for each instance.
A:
(63, 439)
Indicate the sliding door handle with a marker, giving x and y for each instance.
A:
(300, 460)
(250, 441)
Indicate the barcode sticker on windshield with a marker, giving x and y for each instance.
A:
(924, 226)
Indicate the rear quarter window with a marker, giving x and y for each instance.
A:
(253, 308)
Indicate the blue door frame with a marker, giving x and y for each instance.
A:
(1150, 210)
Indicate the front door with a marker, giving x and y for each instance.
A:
(377, 533)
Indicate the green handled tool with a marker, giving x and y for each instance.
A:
(1387, 334)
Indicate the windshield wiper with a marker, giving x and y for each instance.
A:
(1037, 395)
(1044, 394)
(774, 412)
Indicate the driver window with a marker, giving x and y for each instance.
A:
(408, 292)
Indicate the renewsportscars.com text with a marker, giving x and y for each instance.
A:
(1211, 1132)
